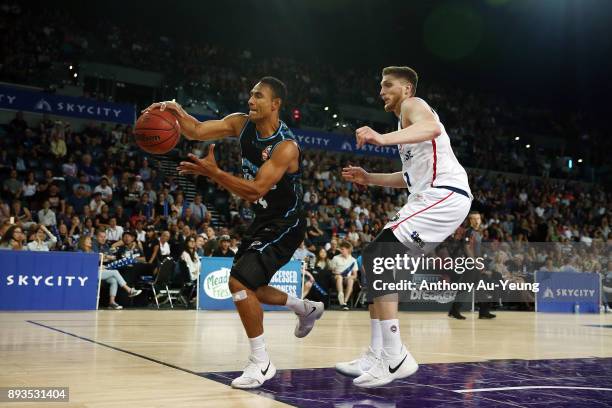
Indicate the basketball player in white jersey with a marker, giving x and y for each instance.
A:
(439, 201)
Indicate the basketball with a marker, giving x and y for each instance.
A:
(157, 131)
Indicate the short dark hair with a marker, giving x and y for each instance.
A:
(346, 244)
(279, 89)
(406, 73)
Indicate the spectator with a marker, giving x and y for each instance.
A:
(13, 238)
(56, 199)
(44, 240)
(13, 188)
(121, 216)
(224, 247)
(344, 268)
(114, 232)
(100, 245)
(84, 185)
(198, 209)
(302, 253)
(191, 258)
(18, 125)
(29, 188)
(105, 190)
(201, 244)
(78, 200)
(103, 219)
(65, 241)
(46, 216)
(315, 234)
(21, 214)
(96, 204)
(151, 246)
(58, 145)
(344, 201)
(164, 245)
(111, 276)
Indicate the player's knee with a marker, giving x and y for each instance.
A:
(235, 285)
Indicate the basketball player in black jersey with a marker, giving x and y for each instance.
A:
(271, 166)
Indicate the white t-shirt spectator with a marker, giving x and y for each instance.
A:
(43, 246)
(343, 266)
(107, 192)
(96, 207)
(344, 202)
(164, 249)
(47, 217)
(114, 234)
(353, 237)
(193, 266)
(29, 189)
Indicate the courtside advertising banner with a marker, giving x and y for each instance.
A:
(568, 292)
(48, 280)
(40, 102)
(214, 293)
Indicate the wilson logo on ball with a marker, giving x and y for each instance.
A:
(146, 139)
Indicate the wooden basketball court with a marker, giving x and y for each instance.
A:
(150, 358)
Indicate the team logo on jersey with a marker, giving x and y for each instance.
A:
(408, 155)
(265, 153)
(395, 217)
(417, 239)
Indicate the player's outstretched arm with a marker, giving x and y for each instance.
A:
(285, 158)
(360, 176)
(193, 129)
(419, 125)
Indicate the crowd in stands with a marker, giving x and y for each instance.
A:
(60, 185)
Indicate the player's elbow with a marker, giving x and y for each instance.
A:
(435, 130)
(256, 193)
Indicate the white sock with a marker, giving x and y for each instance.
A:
(376, 341)
(295, 304)
(391, 339)
(258, 349)
(341, 298)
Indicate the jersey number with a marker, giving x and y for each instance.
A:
(407, 177)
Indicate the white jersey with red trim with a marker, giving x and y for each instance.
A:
(431, 164)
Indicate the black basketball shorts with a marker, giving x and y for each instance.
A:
(266, 246)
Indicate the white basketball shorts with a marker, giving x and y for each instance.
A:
(429, 217)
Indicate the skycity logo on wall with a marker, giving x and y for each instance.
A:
(37, 280)
(81, 108)
(347, 146)
(26, 99)
(574, 292)
(215, 284)
(313, 140)
(548, 293)
(43, 105)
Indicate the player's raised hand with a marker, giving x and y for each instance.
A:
(366, 134)
(171, 106)
(355, 175)
(206, 166)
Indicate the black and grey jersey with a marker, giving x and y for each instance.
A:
(285, 199)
